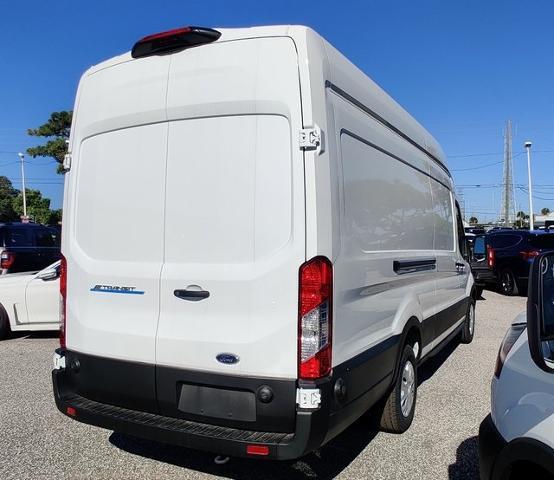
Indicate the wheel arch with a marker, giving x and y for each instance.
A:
(410, 333)
(524, 450)
(4, 319)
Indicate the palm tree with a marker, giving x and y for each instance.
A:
(520, 218)
(473, 221)
(545, 211)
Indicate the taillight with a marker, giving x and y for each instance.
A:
(529, 254)
(7, 259)
(491, 256)
(173, 40)
(63, 295)
(509, 341)
(262, 450)
(315, 318)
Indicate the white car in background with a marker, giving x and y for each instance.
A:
(517, 439)
(30, 300)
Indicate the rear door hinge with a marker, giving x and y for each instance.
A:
(67, 162)
(311, 138)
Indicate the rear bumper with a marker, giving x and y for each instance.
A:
(107, 393)
(491, 444)
(211, 438)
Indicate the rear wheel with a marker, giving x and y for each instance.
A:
(469, 323)
(4, 324)
(478, 292)
(508, 284)
(399, 409)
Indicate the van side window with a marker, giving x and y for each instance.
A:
(443, 216)
(461, 233)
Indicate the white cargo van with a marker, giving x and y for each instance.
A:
(259, 243)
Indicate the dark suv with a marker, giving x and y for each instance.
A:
(502, 258)
(27, 247)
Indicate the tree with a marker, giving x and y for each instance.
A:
(57, 129)
(545, 211)
(7, 195)
(55, 217)
(473, 221)
(38, 208)
(521, 216)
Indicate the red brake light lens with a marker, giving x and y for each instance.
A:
(168, 33)
(63, 296)
(7, 259)
(315, 318)
(491, 256)
(173, 40)
(529, 254)
(262, 450)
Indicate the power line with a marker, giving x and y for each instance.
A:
(8, 163)
(526, 190)
(474, 155)
(475, 168)
(480, 154)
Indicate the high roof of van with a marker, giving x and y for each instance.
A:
(338, 73)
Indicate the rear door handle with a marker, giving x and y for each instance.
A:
(191, 295)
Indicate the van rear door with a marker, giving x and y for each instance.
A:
(234, 219)
(113, 240)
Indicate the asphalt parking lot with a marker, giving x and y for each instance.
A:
(37, 442)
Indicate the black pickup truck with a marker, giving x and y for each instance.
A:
(27, 247)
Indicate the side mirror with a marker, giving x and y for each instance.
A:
(540, 311)
(50, 274)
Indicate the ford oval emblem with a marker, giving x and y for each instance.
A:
(227, 358)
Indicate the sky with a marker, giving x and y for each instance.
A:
(461, 68)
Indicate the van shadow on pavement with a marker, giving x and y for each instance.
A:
(432, 365)
(325, 463)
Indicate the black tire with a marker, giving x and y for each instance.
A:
(468, 331)
(507, 283)
(393, 419)
(4, 324)
(478, 292)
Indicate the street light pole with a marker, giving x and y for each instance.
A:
(21, 156)
(531, 221)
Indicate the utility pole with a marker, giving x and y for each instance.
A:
(531, 220)
(21, 157)
(507, 205)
